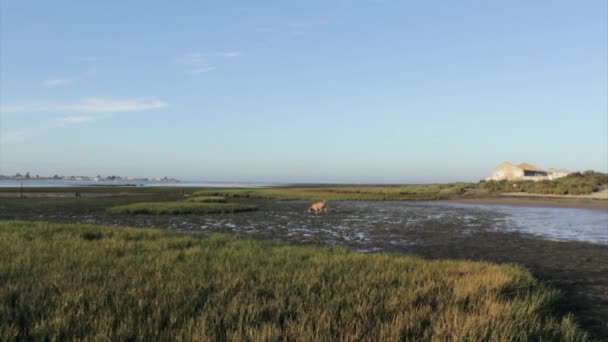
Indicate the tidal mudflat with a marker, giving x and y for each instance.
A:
(372, 226)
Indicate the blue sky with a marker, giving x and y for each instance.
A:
(308, 91)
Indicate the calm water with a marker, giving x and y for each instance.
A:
(562, 224)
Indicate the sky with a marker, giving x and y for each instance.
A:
(302, 91)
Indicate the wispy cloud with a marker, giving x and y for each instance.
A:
(88, 105)
(71, 120)
(102, 105)
(202, 62)
(27, 107)
(62, 82)
(202, 70)
(58, 82)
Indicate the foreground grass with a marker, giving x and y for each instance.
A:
(180, 207)
(65, 282)
(364, 193)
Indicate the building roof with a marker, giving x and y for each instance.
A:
(526, 166)
(503, 164)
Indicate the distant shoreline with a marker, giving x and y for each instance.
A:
(33, 183)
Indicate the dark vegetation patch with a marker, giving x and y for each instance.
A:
(92, 235)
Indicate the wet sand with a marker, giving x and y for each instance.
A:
(529, 200)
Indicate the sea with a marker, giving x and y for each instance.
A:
(63, 183)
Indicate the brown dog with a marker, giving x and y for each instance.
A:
(317, 207)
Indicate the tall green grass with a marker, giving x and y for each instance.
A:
(66, 282)
(180, 207)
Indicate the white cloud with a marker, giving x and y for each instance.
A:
(200, 62)
(71, 120)
(202, 70)
(33, 106)
(88, 105)
(58, 82)
(102, 105)
(203, 57)
(12, 137)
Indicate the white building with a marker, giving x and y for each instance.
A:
(524, 171)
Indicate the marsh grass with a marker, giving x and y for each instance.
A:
(180, 207)
(206, 199)
(65, 282)
(363, 193)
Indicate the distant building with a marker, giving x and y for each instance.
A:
(524, 171)
(555, 174)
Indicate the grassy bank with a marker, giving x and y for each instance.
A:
(363, 193)
(180, 207)
(573, 184)
(92, 282)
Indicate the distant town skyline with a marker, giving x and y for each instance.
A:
(35, 176)
(315, 91)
